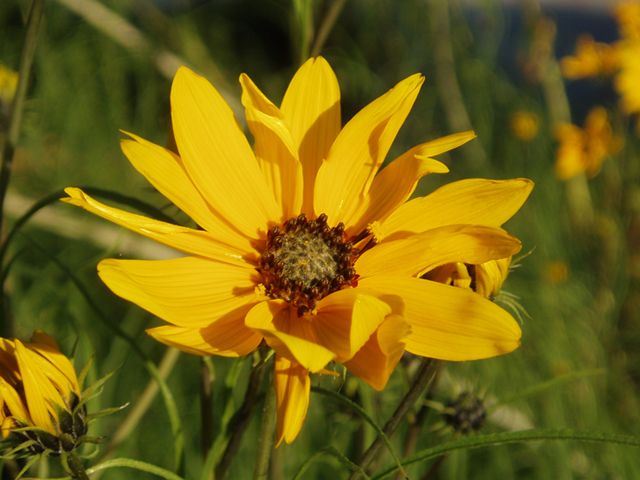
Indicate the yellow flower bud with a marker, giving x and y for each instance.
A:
(40, 395)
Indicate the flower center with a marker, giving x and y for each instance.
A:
(306, 260)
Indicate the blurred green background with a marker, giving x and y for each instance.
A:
(579, 286)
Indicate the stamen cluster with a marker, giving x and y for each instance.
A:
(306, 260)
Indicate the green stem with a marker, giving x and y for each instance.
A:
(206, 405)
(267, 434)
(304, 25)
(74, 466)
(447, 83)
(241, 420)
(326, 26)
(424, 375)
(24, 70)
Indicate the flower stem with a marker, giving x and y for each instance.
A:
(303, 12)
(447, 82)
(74, 466)
(325, 27)
(423, 377)
(267, 434)
(207, 376)
(7, 150)
(241, 420)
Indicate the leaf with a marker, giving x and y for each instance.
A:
(104, 412)
(137, 465)
(512, 437)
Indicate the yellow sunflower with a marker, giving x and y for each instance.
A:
(304, 244)
(40, 394)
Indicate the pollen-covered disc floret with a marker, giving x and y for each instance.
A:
(306, 260)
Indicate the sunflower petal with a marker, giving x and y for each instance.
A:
(8, 358)
(293, 387)
(421, 252)
(13, 402)
(185, 239)
(377, 359)
(355, 157)
(392, 187)
(447, 322)
(290, 336)
(397, 181)
(165, 171)
(56, 359)
(276, 150)
(346, 319)
(227, 337)
(38, 390)
(50, 364)
(311, 107)
(474, 201)
(189, 292)
(217, 155)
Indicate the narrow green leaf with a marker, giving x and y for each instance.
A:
(88, 393)
(137, 465)
(104, 412)
(85, 371)
(31, 461)
(546, 385)
(513, 437)
(16, 449)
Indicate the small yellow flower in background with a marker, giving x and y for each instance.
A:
(591, 59)
(628, 78)
(40, 395)
(628, 50)
(8, 85)
(304, 244)
(622, 58)
(556, 272)
(485, 279)
(628, 17)
(584, 150)
(524, 125)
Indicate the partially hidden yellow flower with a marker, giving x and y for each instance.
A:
(305, 244)
(485, 279)
(584, 150)
(524, 125)
(591, 59)
(40, 394)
